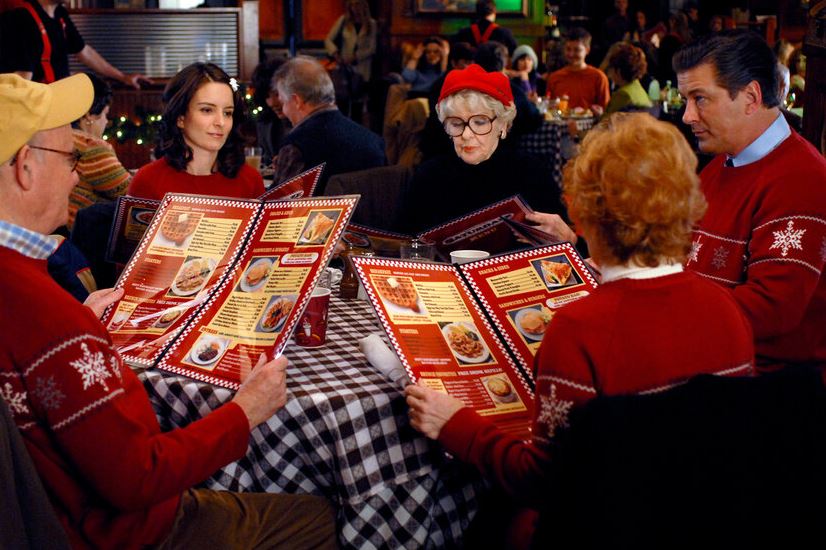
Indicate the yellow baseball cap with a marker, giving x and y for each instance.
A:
(28, 107)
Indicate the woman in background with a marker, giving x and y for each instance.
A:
(101, 176)
(352, 38)
(523, 71)
(426, 64)
(200, 149)
(626, 65)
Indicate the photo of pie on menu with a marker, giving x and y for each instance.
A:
(216, 282)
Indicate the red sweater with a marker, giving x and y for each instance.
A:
(764, 237)
(158, 178)
(628, 337)
(115, 480)
(584, 87)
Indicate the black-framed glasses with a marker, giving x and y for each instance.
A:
(74, 155)
(480, 125)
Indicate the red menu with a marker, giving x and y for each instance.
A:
(482, 229)
(522, 291)
(444, 339)
(302, 185)
(383, 243)
(472, 330)
(215, 281)
(133, 214)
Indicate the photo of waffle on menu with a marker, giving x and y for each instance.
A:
(215, 282)
(472, 330)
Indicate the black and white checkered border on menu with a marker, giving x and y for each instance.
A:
(229, 276)
(151, 232)
(520, 201)
(349, 204)
(314, 172)
(374, 299)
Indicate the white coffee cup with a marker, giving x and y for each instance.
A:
(465, 256)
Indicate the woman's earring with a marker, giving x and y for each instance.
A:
(502, 135)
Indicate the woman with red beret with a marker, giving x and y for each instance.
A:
(476, 109)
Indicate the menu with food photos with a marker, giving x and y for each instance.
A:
(472, 330)
(134, 214)
(216, 282)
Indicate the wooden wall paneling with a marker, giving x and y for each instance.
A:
(271, 20)
(814, 46)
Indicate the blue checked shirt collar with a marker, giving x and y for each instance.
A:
(763, 145)
(29, 243)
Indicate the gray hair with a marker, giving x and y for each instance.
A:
(476, 101)
(306, 78)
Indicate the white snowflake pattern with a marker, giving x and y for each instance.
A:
(695, 251)
(15, 400)
(92, 368)
(113, 362)
(553, 412)
(720, 257)
(788, 238)
(48, 394)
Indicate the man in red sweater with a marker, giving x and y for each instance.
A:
(764, 234)
(114, 479)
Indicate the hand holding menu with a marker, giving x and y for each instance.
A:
(472, 331)
(215, 282)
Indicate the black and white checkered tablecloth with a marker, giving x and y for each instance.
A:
(344, 434)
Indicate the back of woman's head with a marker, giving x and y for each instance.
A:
(634, 186)
(100, 100)
(629, 61)
(177, 96)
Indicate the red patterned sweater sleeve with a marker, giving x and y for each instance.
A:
(98, 413)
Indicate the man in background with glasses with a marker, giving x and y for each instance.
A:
(114, 479)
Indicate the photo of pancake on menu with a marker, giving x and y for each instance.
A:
(215, 282)
(472, 330)
(134, 214)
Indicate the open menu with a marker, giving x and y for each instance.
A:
(216, 282)
(134, 214)
(472, 330)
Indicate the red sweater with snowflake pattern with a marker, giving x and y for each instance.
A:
(627, 337)
(114, 479)
(764, 237)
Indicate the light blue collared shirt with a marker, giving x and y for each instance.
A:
(765, 144)
(27, 242)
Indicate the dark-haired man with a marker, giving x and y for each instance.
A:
(764, 234)
(485, 29)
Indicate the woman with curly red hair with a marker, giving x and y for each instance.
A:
(626, 65)
(634, 194)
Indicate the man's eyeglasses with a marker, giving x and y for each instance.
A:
(75, 155)
(480, 125)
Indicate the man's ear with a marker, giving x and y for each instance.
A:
(753, 96)
(24, 167)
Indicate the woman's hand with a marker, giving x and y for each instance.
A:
(553, 225)
(99, 300)
(430, 410)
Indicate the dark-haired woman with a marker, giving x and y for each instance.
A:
(626, 65)
(200, 149)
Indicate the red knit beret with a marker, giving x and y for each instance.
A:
(474, 77)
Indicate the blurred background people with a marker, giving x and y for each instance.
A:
(352, 38)
(523, 71)
(272, 125)
(485, 28)
(426, 63)
(626, 65)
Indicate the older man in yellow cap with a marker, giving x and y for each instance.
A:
(115, 480)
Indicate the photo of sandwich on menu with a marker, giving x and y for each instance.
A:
(473, 330)
(215, 282)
